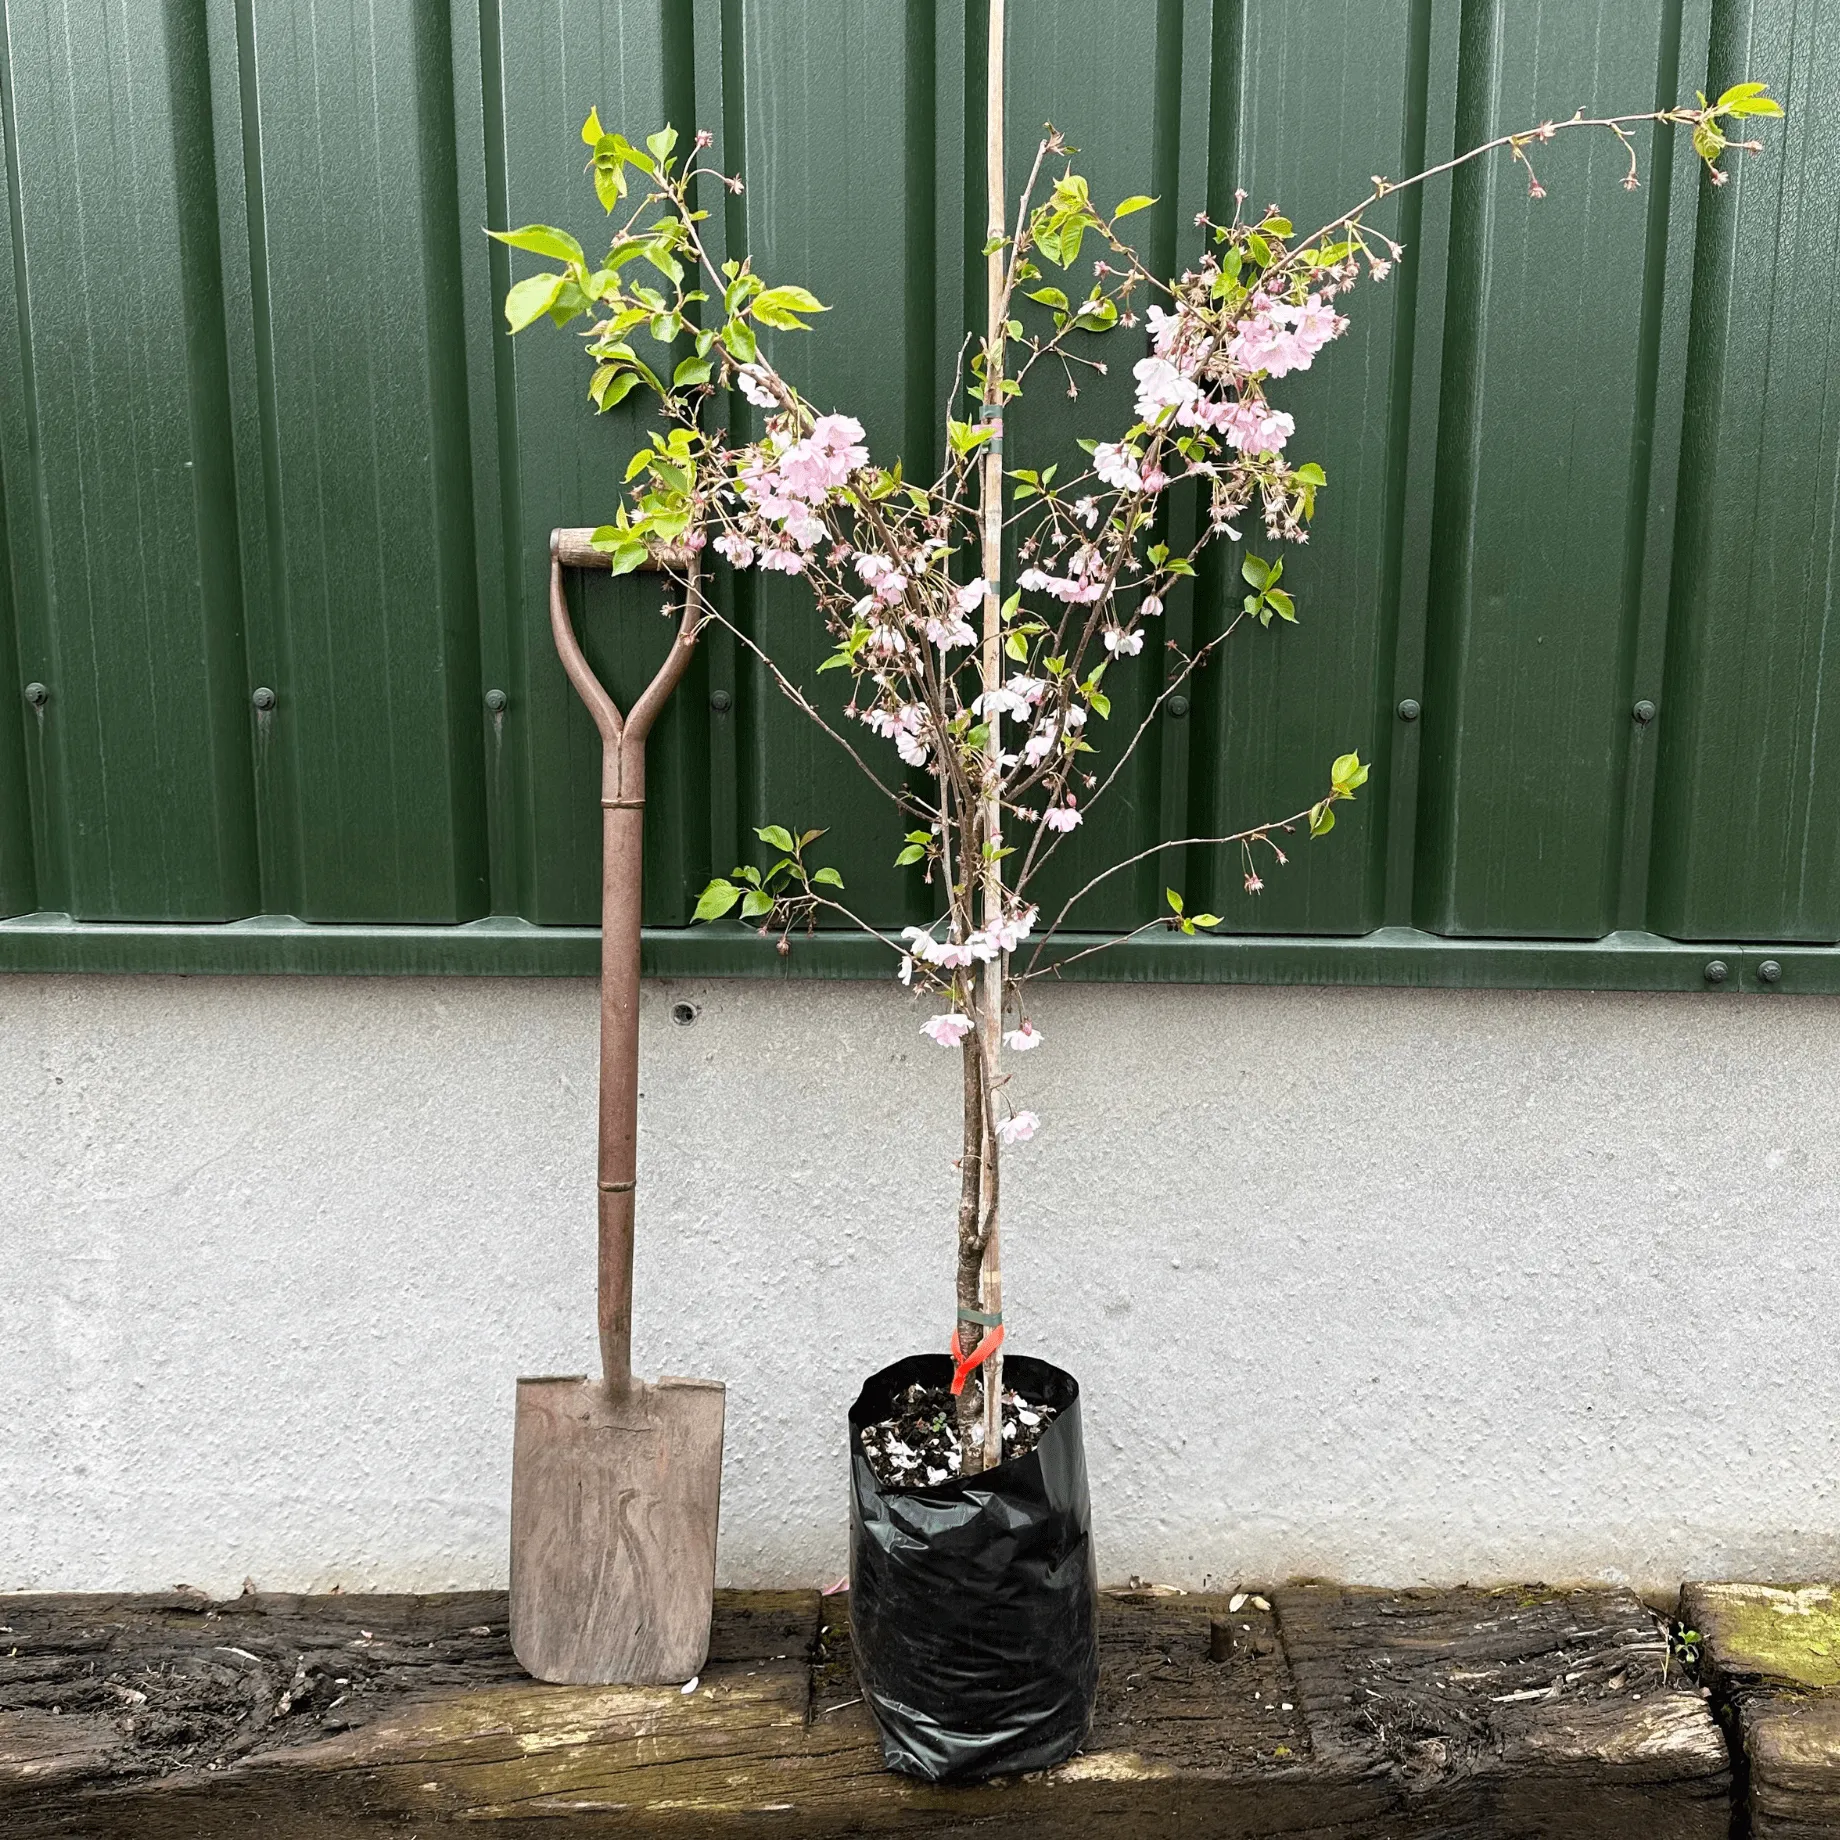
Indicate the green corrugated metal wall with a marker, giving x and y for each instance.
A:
(260, 428)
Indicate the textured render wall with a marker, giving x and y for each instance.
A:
(1396, 1286)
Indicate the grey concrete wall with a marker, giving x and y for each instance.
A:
(1396, 1286)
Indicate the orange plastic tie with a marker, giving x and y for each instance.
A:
(963, 1364)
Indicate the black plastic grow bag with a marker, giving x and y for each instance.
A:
(973, 1604)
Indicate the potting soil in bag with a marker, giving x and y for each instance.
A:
(973, 1602)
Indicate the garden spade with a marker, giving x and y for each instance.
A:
(615, 1482)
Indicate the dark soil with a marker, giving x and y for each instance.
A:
(918, 1446)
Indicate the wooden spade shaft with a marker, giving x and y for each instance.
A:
(623, 740)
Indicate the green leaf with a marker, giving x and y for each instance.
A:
(829, 877)
(1174, 900)
(592, 133)
(612, 385)
(1136, 202)
(1049, 297)
(1755, 105)
(1322, 819)
(661, 144)
(754, 904)
(1346, 773)
(666, 264)
(777, 835)
(692, 371)
(717, 899)
(530, 299)
(542, 240)
(1256, 571)
(1278, 599)
(912, 853)
(739, 338)
(1016, 646)
(781, 307)
(1207, 919)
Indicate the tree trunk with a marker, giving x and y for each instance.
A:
(971, 1248)
(989, 1011)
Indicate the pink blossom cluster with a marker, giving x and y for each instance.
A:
(1280, 338)
(1255, 427)
(904, 726)
(977, 948)
(788, 490)
(1049, 730)
(1084, 582)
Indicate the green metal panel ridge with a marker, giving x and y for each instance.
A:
(1399, 957)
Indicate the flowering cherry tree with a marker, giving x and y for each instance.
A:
(991, 692)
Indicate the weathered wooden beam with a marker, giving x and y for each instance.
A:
(305, 1718)
(1772, 1656)
(1520, 1711)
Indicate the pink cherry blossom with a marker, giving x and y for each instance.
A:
(839, 433)
(1115, 465)
(1165, 329)
(949, 954)
(1150, 606)
(1021, 1040)
(872, 565)
(949, 633)
(1256, 428)
(948, 1031)
(736, 548)
(753, 382)
(1002, 701)
(1017, 1128)
(1010, 933)
(971, 596)
(1061, 817)
(1036, 749)
(1122, 644)
(1161, 390)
